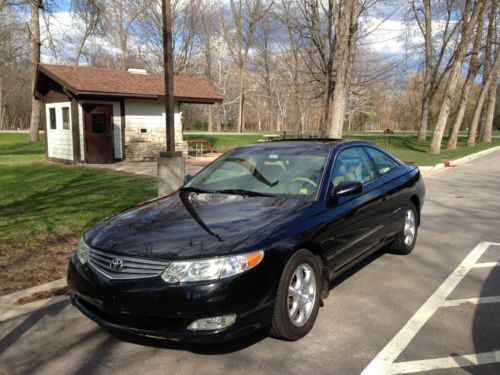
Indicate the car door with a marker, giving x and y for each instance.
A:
(391, 186)
(354, 224)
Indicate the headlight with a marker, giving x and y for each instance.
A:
(210, 269)
(82, 251)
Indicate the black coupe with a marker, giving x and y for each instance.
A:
(252, 241)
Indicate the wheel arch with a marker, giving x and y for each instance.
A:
(416, 201)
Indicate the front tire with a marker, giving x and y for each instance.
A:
(407, 237)
(298, 297)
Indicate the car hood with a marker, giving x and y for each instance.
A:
(187, 225)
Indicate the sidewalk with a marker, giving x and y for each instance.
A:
(149, 168)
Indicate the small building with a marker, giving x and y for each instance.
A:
(101, 116)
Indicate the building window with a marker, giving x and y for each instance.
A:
(52, 118)
(65, 118)
(99, 123)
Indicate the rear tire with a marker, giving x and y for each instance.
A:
(407, 237)
(298, 297)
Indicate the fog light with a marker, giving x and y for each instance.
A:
(209, 324)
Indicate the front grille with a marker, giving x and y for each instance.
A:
(131, 267)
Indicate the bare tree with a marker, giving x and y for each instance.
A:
(467, 28)
(486, 124)
(434, 57)
(89, 15)
(492, 77)
(474, 66)
(120, 18)
(346, 17)
(238, 33)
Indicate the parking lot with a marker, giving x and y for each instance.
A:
(436, 310)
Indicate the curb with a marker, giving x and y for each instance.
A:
(9, 309)
(426, 170)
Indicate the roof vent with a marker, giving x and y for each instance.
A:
(137, 71)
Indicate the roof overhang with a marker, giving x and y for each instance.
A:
(73, 92)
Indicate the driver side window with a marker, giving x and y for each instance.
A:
(352, 165)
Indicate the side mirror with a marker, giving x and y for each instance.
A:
(187, 178)
(348, 188)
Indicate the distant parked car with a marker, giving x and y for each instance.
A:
(251, 242)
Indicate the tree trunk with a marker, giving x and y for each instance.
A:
(424, 115)
(426, 98)
(347, 24)
(338, 110)
(241, 102)
(451, 84)
(490, 115)
(218, 124)
(325, 114)
(35, 5)
(1, 102)
(471, 140)
(487, 57)
(210, 122)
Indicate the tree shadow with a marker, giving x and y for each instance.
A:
(486, 324)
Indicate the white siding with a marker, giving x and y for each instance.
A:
(117, 127)
(59, 140)
(141, 113)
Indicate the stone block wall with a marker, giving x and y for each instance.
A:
(145, 146)
(145, 130)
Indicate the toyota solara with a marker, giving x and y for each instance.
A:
(249, 243)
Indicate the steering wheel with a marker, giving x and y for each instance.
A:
(304, 179)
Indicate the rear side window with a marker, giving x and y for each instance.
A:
(384, 163)
(352, 165)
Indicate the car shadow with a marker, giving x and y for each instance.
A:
(357, 267)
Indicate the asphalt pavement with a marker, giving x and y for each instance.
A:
(435, 310)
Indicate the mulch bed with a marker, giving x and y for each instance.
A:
(25, 267)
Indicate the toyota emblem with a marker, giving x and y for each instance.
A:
(116, 264)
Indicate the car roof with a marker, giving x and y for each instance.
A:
(310, 142)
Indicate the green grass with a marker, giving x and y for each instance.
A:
(40, 198)
(224, 142)
(402, 144)
(407, 148)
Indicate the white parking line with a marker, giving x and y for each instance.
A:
(446, 362)
(486, 265)
(383, 363)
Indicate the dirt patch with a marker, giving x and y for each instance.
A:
(42, 295)
(22, 268)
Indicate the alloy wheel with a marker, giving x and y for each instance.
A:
(301, 294)
(409, 228)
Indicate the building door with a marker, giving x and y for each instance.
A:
(98, 133)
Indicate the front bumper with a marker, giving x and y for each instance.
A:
(153, 308)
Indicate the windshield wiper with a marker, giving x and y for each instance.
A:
(194, 189)
(244, 192)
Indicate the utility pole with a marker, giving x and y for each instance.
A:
(171, 164)
(169, 76)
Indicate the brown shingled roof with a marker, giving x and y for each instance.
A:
(80, 80)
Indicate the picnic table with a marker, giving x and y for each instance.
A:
(198, 146)
(271, 137)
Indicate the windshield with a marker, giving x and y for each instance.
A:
(266, 170)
